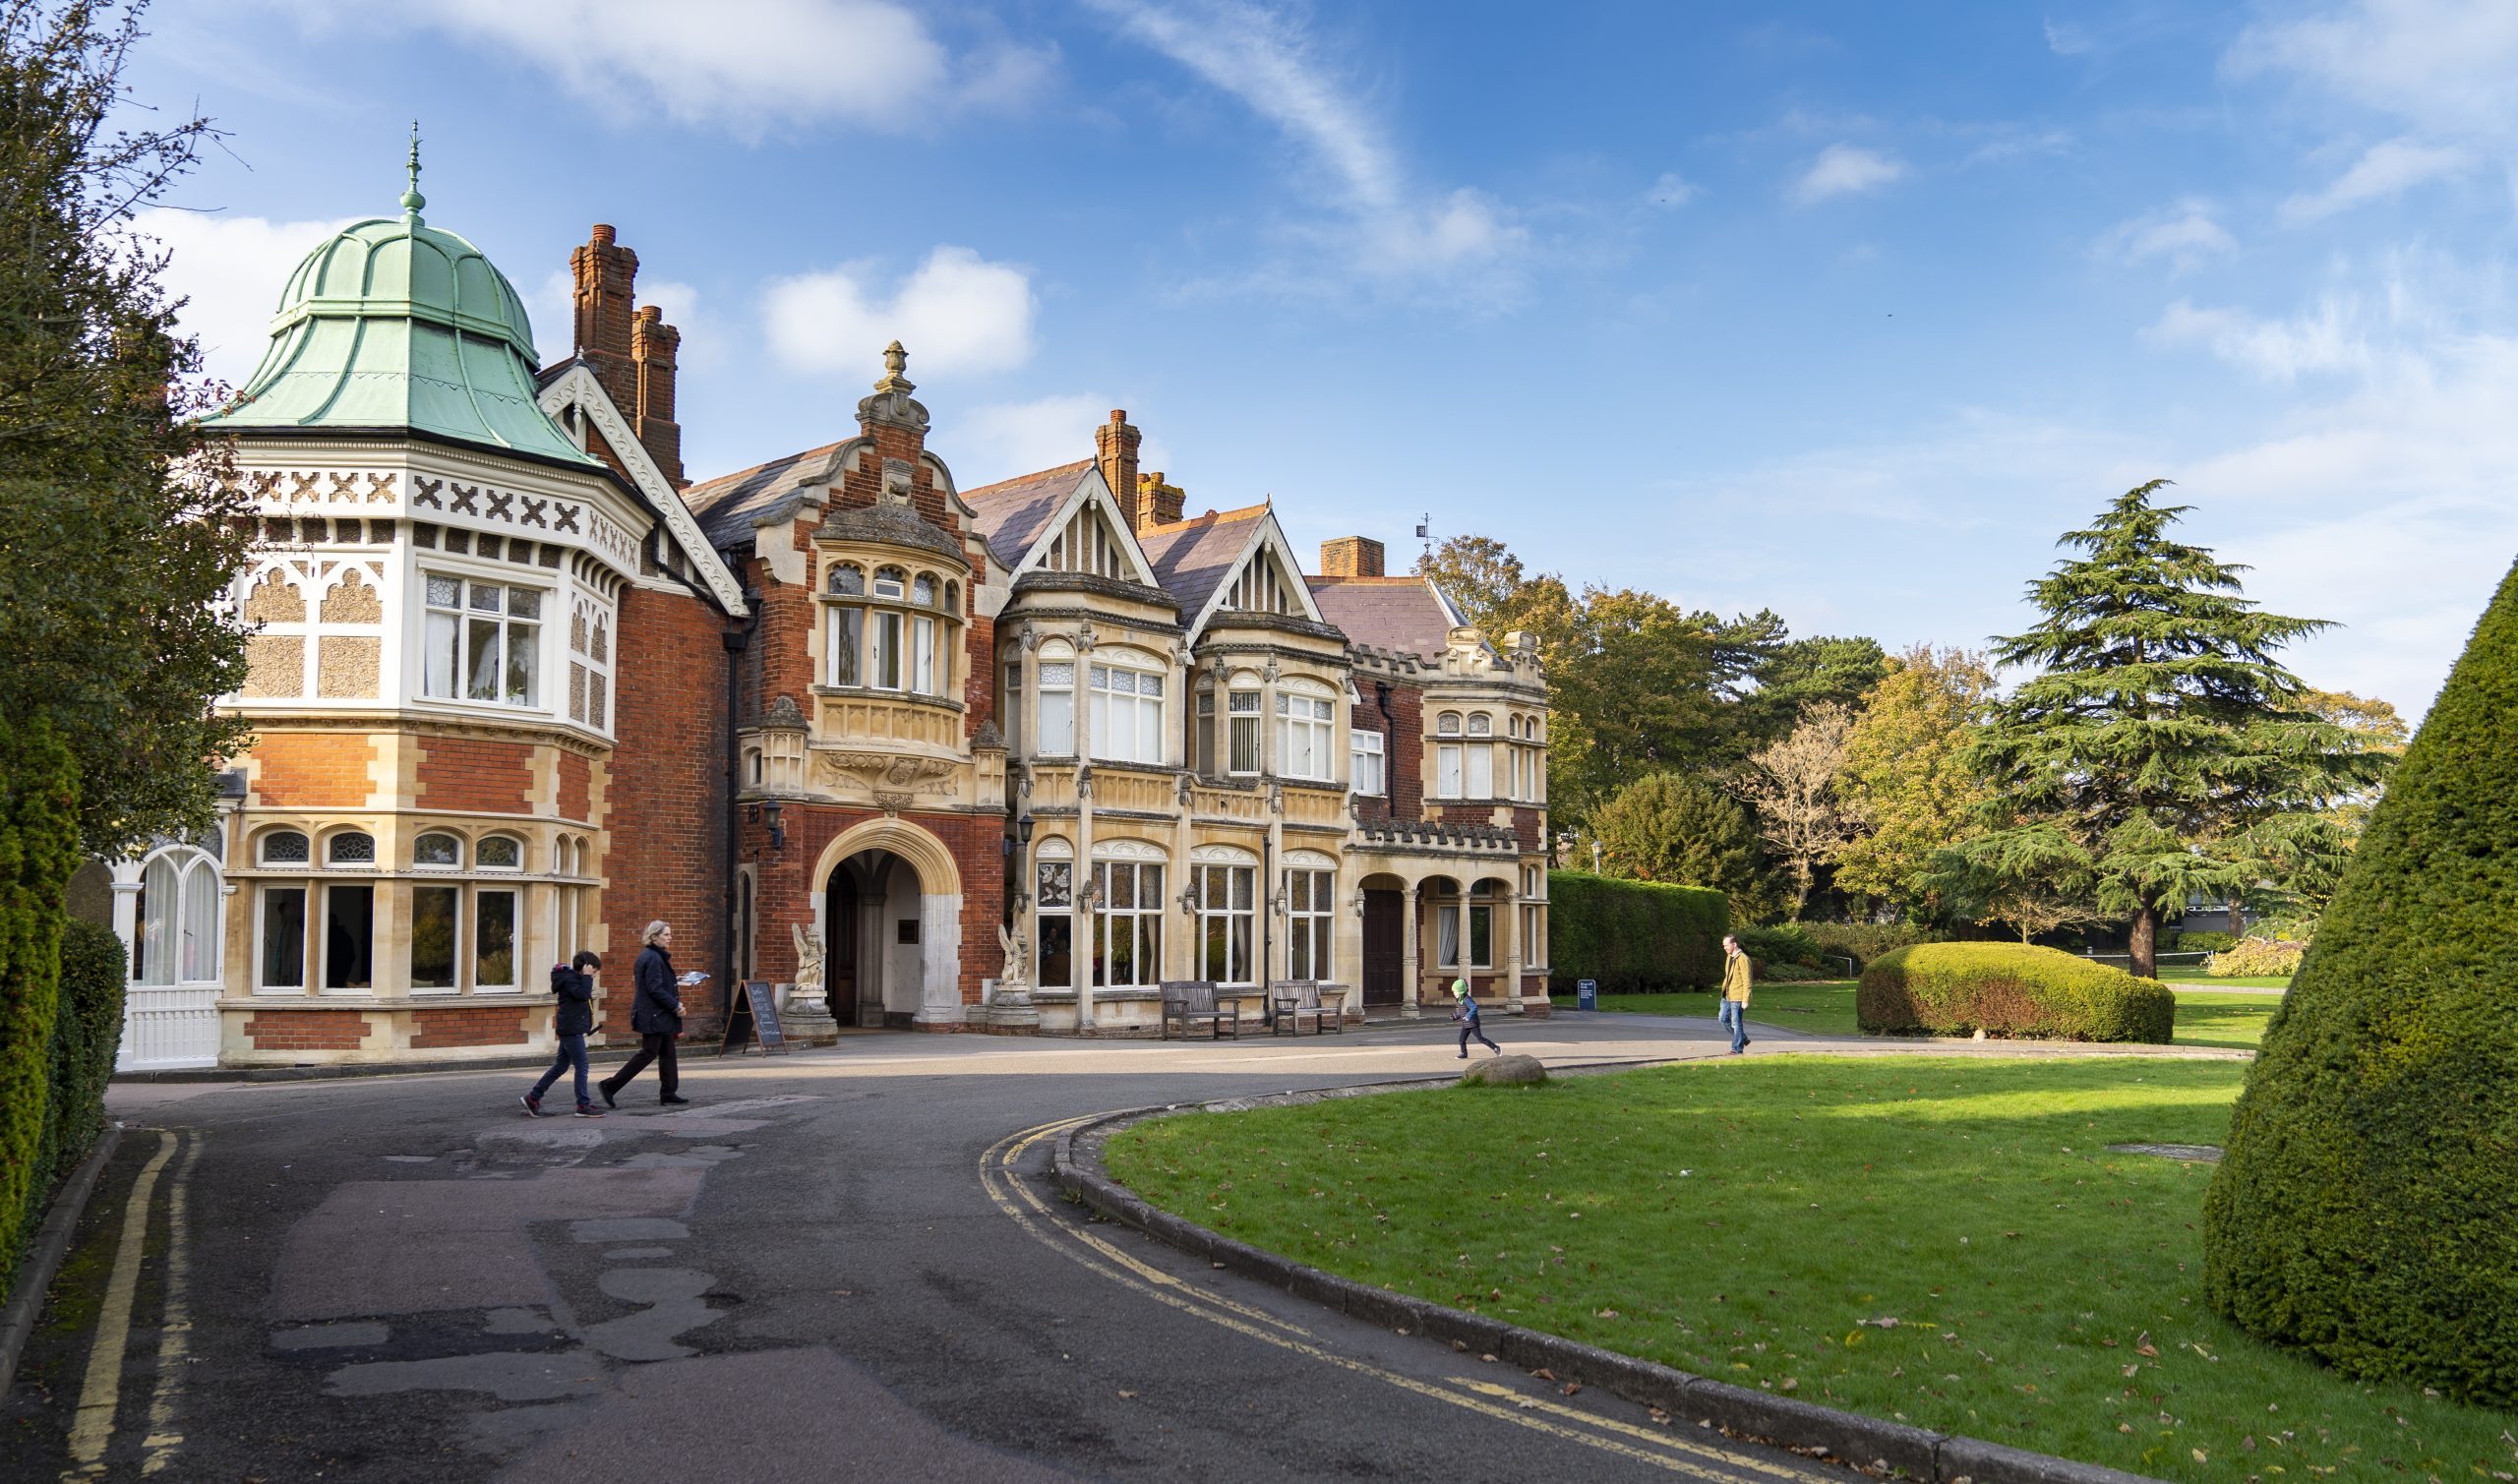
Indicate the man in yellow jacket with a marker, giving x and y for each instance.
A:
(1734, 1012)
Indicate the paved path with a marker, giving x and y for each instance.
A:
(841, 1264)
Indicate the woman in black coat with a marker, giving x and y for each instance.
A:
(655, 1013)
(574, 983)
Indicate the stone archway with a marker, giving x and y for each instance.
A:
(903, 946)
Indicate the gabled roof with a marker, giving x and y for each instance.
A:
(727, 503)
(1192, 557)
(1406, 614)
(572, 383)
(1014, 513)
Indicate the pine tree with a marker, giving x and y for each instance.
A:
(2160, 738)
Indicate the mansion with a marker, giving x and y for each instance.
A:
(1005, 758)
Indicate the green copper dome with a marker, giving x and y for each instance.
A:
(394, 323)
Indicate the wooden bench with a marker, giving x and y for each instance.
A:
(1297, 998)
(1190, 1002)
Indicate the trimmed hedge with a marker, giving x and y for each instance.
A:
(2255, 956)
(1864, 941)
(1633, 936)
(39, 851)
(86, 1036)
(2196, 940)
(2366, 1211)
(1783, 952)
(2010, 990)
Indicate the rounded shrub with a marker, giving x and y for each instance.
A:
(2253, 957)
(2010, 990)
(2366, 1211)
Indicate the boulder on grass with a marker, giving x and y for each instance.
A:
(1511, 1071)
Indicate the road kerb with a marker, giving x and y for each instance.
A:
(43, 1259)
(1849, 1437)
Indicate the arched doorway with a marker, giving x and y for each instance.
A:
(170, 1013)
(890, 913)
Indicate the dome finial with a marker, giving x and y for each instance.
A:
(412, 199)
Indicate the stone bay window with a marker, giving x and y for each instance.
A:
(1225, 881)
(482, 640)
(890, 630)
(1125, 724)
(1306, 731)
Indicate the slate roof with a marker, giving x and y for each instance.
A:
(725, 506)
(1191, 557)
(1012, 512)
(1405, 614)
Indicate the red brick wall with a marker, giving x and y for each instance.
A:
(788, 895)
(1404, 748)
(312, 770)
(475, 774)
(665, 806)
(576, 787)
(781, 657)
(307, 1030)
(468, 1025)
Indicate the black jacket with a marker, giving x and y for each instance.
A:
(657, 1008)
(577, 1001)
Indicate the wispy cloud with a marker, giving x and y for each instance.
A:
(748, 67)
(2397, 165)
(1846, 170)
(2069, 40)
(2326, 338)
(956, 313)
(228, 270)
(1391, 227)
(2443, 64)
(1671, 192)
(2185, 233)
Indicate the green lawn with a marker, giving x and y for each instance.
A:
(1942, 1240)
(1826, 1008)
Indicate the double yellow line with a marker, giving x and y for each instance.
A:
(1000, 1177)
(91, 1429)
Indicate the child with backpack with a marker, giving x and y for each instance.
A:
(1465, 1011)
(574, 983)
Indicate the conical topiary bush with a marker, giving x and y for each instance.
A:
(2366, 1211)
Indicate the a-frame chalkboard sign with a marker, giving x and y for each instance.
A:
(754, 1016)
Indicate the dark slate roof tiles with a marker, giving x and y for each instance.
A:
(1405, 614)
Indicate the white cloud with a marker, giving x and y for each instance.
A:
(1004, 438)
(2326, 339)
(1392, 229)
(957, 313)
(2396, 165)
(749, 65)
(2443, 64)
(2065, 40)
(1846, 170)
(231, 269)
(1672, 190)
(2185, 233)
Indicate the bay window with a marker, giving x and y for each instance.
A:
(1058, 709)
(877, 640)
(481, 641)
(883, 651)
(1307, 732)
(1127, 720)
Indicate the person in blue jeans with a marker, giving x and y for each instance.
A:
(1734, 1013)
(1465, 1010)
(574, 983)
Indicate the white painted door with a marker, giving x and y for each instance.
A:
(170, 1011)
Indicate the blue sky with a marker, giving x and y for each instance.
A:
(1844, 310)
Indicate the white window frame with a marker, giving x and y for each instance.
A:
(455, 947)
(1058, 708)
(1142, 920)
(1241, 723)
(1366, 764)
(477, 922)
(1119, 682)
(454, 622)
(1311, 928)
(1306, 734)
(1235, 918)
(263, 891)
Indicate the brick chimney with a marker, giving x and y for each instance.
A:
(605, 273)
(652, 346)
(1115, 448)
(1351, 556)
(1158, 503)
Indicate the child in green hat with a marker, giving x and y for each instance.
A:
(1465, 1010)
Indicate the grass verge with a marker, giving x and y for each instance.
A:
(2204, 1017)
(1940, 1240)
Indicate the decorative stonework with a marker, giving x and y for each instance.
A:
(276, 600)
(274, 666)
(348, 667)
(896, 781)
(352, 600)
